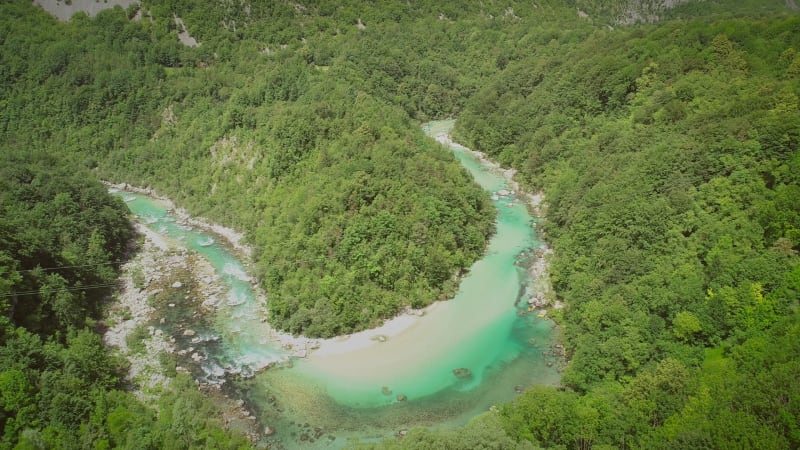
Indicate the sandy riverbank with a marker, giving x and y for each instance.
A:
(391, 329)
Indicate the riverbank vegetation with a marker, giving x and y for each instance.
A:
(62, 240)
(669, 158)
(667, 153)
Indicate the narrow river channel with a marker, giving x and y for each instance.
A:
(440, 369)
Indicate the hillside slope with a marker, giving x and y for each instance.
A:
(669, 158)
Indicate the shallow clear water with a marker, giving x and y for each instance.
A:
(234, 340)
(322, 401)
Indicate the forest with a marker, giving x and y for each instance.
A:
(62, 240)
(665, 142)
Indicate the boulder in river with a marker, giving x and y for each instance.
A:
(462, 372)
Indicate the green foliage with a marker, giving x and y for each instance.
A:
(135, 339)
(686, 325)
(485, 432)
(353, 213)
(59, 386)
(749, 399)
(62, 239)
(668, 155)
(365, 226)
(138, 278)
(663, 154)
(542, 416)
(189, 420)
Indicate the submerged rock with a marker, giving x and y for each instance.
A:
(462, 372)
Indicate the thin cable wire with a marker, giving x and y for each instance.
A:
(71, 267)
(72, 288)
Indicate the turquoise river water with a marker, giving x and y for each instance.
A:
(406, 380)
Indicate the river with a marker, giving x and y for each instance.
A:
(439, 370)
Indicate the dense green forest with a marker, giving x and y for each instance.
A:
(340, 193)
(669, 159)
(62, 239)
(667, 153)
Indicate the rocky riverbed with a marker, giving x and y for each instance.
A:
(159, 271)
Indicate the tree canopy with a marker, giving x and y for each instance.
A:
(667, 153)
